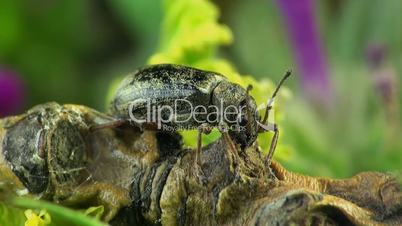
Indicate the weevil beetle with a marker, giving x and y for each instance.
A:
(158, 86)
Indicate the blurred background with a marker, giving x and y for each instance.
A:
(345, 112)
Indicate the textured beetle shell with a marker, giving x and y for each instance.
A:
(164, 84)
(160, 85)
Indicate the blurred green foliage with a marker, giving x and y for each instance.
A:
(10, 215)
(358, 134)
(71, 51)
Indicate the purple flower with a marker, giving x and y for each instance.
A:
(11, 92)
(385, 79)
(375, 55)
(311, 61)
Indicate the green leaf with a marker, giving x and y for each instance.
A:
(190, 32)
(11, 216)
(60, 215)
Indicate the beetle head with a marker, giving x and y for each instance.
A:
(244, 130)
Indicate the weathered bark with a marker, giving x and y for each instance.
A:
(149, 178)
(261, 197)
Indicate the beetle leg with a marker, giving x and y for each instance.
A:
(206, 129)
(199, 146)
(232, 147)
(249, 111)
(272, 148)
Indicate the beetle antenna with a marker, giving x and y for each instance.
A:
(271, 101)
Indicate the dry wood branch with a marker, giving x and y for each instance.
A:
(149, 178)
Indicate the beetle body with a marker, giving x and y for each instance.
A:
(183, 88)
